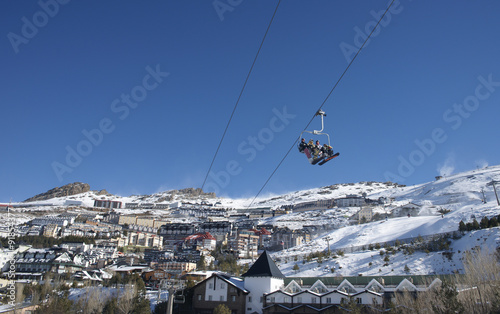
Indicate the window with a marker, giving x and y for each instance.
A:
(233, 298)
(261, 299)
(374, 301)
(199, 297)
(299, 299)
(210, 286)
(343, 301)
(249, 299)
(209, 298)
(232, 289)
(359, 300)
(329, 300)
(313, 300)
(222, 286)
(286, 300)
(221, 298)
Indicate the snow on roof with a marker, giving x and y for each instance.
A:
(116, 268)
(237, 282)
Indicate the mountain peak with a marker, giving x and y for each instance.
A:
(66, 190)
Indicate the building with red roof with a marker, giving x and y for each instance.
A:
(201, 241)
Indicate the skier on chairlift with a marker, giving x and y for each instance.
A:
(315, 152)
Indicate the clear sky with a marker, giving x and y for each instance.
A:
(133, 96)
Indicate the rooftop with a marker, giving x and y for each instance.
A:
(264, 266)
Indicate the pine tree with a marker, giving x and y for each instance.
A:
(475, 225)
(493, 222)
(296, 268)
(461, 226)
(484, 222)
(201, 265)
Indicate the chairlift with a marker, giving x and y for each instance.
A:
(320, 157)
(179, 298)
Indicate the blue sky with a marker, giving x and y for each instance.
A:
(133, 97)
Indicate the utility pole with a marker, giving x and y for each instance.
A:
(327, 238)
(493, 182)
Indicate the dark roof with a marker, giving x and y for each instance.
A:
(264, 266)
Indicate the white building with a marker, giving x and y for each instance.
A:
(262, 291)
(263, 277)
(350, 200)
(6, 256)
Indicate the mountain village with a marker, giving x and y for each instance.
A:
(323, 250)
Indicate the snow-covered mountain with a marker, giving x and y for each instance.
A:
(459, 197)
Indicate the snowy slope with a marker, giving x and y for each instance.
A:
(461, 194)
(371, 262)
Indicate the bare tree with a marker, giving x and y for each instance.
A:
(47, 287)
(126, 299)
(480, 286)
(92, 301)
(476, 291)
(413, 302)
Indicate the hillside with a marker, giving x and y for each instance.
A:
(460, 194)
(459, 197)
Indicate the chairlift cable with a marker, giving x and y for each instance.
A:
(241, 93)
(322, 104)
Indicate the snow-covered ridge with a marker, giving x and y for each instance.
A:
(452, 192)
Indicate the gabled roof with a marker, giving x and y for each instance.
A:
(405, 284)
(375, 286)
(297, 307)
(368, 292)
(319, 287)
(264, 266)
(346, 286)
(233, 281)
(293, 287)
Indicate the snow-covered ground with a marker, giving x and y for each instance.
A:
(371, 262)
(460, 196)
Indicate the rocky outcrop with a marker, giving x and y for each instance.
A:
(192, 193)
(68, 189)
